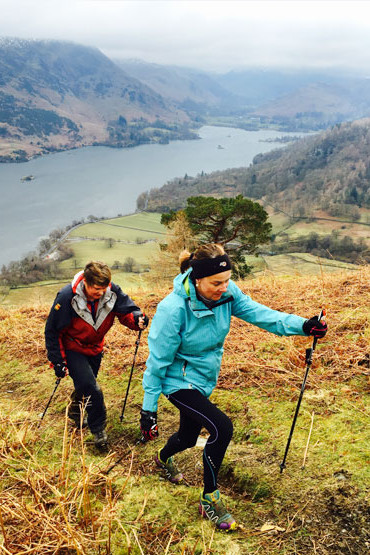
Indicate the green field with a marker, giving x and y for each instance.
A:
(137, 236)
(323, 225)
(86, 250)
(302, 264)
(143, 226)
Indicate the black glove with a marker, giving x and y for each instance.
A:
(141, 315)
(315, 327)
(148, 424)
(60, 370)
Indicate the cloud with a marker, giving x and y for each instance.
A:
(209, 34)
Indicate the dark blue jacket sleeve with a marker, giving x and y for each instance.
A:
(59, 318)
(125, 308)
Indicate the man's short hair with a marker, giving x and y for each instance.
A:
(97, 273)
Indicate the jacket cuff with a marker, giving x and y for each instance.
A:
(128, 320)
(150, 402)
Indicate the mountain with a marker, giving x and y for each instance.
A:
(190, 89)
(293, 100)
(56, 95)
(317, 105)
(260, 86)
(314, 97)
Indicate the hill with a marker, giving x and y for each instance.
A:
(319, 103)
(316, 191)
(58, 95)
(328, 170)
(194, 91)
(60, 496)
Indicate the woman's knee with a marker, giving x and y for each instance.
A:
(189, 442)
(228, 428)
(223, 428)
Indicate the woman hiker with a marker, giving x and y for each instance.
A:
(185, 349)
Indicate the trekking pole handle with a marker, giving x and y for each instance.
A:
(310, 350)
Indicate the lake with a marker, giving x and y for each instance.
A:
(106, 182)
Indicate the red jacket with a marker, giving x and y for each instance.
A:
(72, 326)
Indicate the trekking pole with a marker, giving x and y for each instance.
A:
(309, 353)
(138, 442)
(52, 395)
(129, 381)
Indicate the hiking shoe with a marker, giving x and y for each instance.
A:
(100, 438)
(212, 507)
(171, 472)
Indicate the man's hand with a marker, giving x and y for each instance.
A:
(148, 425)
(60, 370)
(315, 327)
(141, 320)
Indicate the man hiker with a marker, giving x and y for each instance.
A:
(81, 315)
(185, 350)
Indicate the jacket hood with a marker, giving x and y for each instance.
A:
(179, 284)
(77, 279)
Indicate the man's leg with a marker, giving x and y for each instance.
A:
(74, 411)
(83, 371)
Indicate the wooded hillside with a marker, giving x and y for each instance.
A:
(329, 171)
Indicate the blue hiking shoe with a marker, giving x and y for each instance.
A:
(170, 470)
(212, 507)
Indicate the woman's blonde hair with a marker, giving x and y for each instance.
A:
(97, 273)
(208, 250)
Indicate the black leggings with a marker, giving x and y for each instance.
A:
(197, 412)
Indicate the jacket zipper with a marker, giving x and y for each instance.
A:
(184, 368)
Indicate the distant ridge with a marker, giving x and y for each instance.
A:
(58, 95)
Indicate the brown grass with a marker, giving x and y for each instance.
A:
(251, 355)
(48, 510)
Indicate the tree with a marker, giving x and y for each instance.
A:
(129, 264)
(110, 242)
(237, 222)
(164, 264)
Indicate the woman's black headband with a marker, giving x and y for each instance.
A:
(210, 266)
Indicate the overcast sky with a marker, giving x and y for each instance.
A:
(212, 35)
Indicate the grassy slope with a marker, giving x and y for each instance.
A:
(55, 494)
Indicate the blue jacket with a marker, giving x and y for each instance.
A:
(186, 338)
